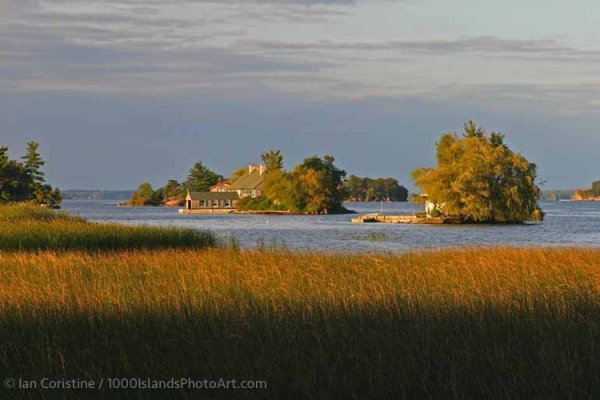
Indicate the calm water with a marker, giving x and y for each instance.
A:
(566, 224)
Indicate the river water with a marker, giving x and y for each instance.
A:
(566, 224)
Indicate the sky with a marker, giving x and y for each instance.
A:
(124, 91)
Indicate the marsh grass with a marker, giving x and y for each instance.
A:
(28, 227)
(472, 323)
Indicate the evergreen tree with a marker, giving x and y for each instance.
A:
(33, 164)
(200, 178)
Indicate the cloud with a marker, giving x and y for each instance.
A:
(248, 49)
(481, 44)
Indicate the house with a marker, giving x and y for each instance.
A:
(251, 183)
(211, 200)
(223, 196)
(222, 186)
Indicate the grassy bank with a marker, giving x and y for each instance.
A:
(486, 323)
(26, 227)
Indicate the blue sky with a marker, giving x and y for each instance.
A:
(121, 91)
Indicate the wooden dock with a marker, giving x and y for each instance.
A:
(399, 219)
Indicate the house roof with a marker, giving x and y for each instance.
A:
(248, 181)
(213, 195)
(225, 182)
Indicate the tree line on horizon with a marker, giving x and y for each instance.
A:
(25, 180)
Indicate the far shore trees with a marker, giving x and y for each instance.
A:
(25, 181)
(480, 179)
(380, 189)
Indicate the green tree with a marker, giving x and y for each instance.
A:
(14, 183)
(146, 196)
(33, 163)
(479, 179)
(355, 188)
(318, 185)
(200, 178)
(172, 189)
(273, 160)
(315, 186)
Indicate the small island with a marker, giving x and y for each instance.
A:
(478, 179)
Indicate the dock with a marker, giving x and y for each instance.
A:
(400, 219)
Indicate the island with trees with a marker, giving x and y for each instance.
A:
(315, 186)
(25, 180)
(479, 179)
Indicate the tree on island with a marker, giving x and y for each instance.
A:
(200, 178)
(25, 181)
(314, 186)
(480, 179)
(272, 159)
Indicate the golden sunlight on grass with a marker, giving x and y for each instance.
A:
(456, 323)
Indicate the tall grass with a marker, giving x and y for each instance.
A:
(473, 323)
(28, 227)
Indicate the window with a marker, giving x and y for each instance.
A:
(202, 203)
(227, 203)
(215, 203)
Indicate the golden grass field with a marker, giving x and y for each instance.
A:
(500, 323)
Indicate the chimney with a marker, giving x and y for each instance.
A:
(261, 169)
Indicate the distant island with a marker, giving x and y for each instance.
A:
(592, 194)
(77, 194)
(315, 186)
(557, 195)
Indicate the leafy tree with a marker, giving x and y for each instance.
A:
(172, 189)
(273, 160)
(479, 179)
(146, 196)
(355, 188)
(315, 186)
(200, 178)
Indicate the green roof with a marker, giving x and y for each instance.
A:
(247, 181)
(214, 195)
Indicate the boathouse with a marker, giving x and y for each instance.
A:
(211, 200)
